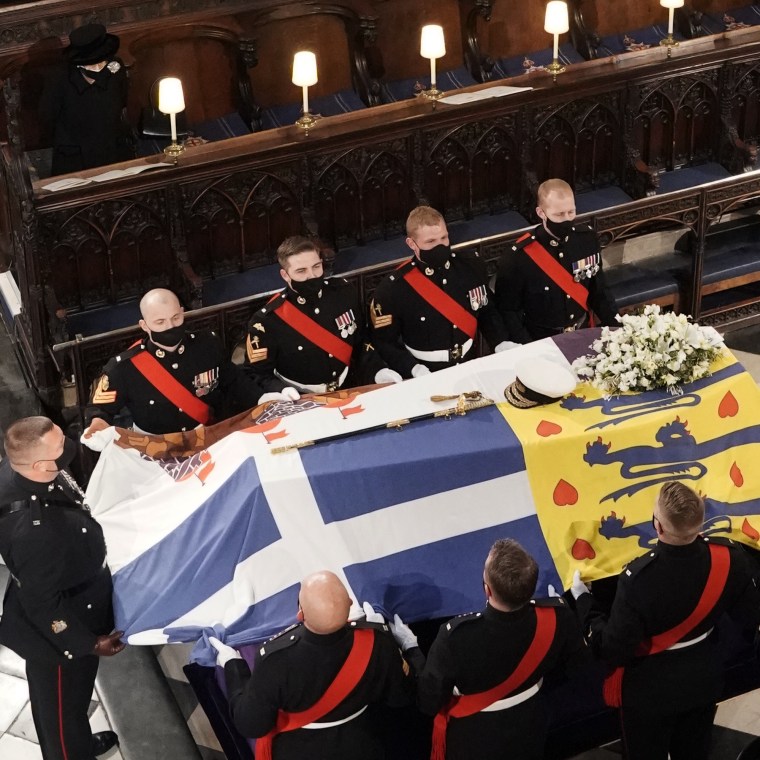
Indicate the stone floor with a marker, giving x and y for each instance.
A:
(142, 694)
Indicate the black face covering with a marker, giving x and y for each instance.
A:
(171, 337)
(99, 77)
(307, 288)
(436, 257)
(559, 229)
(66, 458)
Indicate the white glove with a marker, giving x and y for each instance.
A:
(505, 345)
(223, 653)
(277, 396)
(578, 587)
(552, 591)
(291, 394)
(403, 634)
(387, 375)
(419, 370)
(371, 615)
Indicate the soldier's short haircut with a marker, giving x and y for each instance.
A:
(551, 186)
(683, 508)
(294, 245)
(25, 434)
(511, 573)
(422, 216)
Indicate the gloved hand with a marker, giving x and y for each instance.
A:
(290, 393)
(223, 653)
(371, 615)
(387, 375)
(552, 591)
(419, 370)
(505, 345)
(279, 396)
(578, 587)
(403, 634)
(97, 424)
(108, 646)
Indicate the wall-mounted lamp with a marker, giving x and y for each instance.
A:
(171, 100)
(671, 5)
(432, 46)
(556, 22)
(305, 76)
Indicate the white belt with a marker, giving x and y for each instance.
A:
(334, 723)
(690, 642)
(437, 356)
(507, 702)
(137, 429)
(321, 388)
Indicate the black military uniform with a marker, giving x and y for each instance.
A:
(293, 671)
(57, 603)
(668, 699)
(408, 330)
(532, 305)
(478, 651)
(199, 364)
(278, 355)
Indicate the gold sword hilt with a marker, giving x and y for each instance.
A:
(291, 447)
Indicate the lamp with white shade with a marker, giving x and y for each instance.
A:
(171, 100)
(671, 5)
(556, 22)
(432, 46)
(305, 76)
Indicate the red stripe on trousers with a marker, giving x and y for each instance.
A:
(60, 715)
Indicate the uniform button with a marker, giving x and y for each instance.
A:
(572, 316)
(151, 401)
(353, 622)
(454, 326)
(175, 365)
(422, 319)
(546, 287)
(184, 430)
(443, 281)
(335, 374)
(292, 637)
(70, 656)
(179, 408)
(562, 255)
(316, 311)
(34, 498)
(89, 606)
(66, 653)
(84, 530)
(329, 356)
(567, 296)
(300, 348)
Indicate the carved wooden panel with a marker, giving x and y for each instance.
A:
(108, 252)
(237, 221)
(742, 100)
(473, 168)
(364, 193)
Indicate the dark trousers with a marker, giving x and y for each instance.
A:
(649, 735)
(60, 697)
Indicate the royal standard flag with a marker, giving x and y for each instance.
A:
(596, 465)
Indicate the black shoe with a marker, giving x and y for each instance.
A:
(103, 741)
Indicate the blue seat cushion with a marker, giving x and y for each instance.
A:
(633, 284)
(639, 39)
(516, 65)
(403, 89)
(105, 319)
(394, 249)
(691, 176)
(727, 21)
(344, 101)
(596, 200)
(230, 287)
(724, 264)
(230, 125)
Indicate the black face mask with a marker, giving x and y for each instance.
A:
(559, 229)
(66, 458)
(170, 338)
(307, 288)
(99, 77)
(436, 257)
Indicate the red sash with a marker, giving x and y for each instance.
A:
(170, 388)
(469, 704)
(720, 563)
(345, 682)
(557, 273)
(442, 302)
(314, 332)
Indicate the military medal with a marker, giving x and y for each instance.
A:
(478, 297)
(205, 382)
(346, 323)
(585, 269)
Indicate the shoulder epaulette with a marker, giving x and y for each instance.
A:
(273, 302)
(583, 227)
(637, 565)
(367, 624)
(281, 640)
(522, 242)
(461, 619)
(552, 601)
(130, 352)
(721, 540)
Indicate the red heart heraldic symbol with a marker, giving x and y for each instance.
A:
(564, 494)
(582, 550)
(748, 530)
(546, 428)
(736, 475)
(729, 406)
